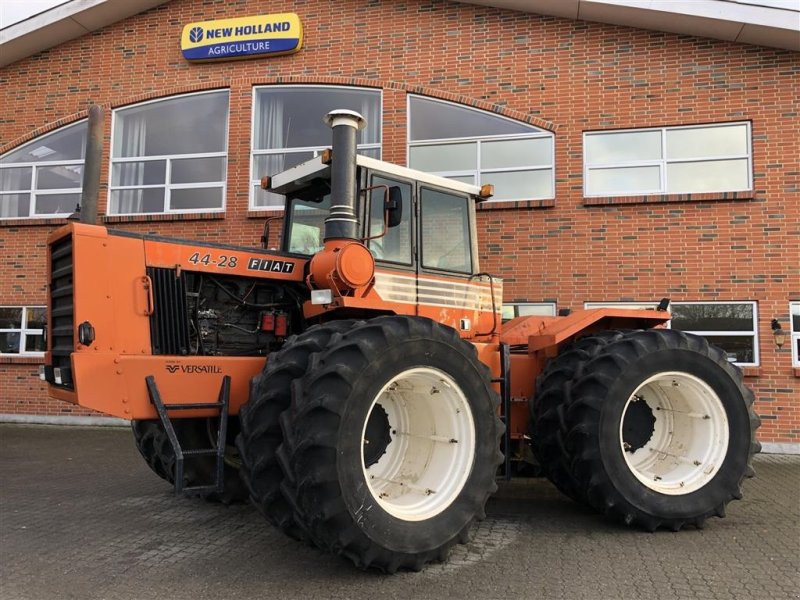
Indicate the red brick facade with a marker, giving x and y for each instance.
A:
(566, 76)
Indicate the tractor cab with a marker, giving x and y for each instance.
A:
(420, 233)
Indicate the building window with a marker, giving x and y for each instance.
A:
(477, 147)
(524, 309)
(288, 129)
(22, 330)
(43, 178)
(794, 316)
(729, 325)
(170, 155)
(668, 160)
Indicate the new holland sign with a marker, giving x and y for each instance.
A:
(244, 37)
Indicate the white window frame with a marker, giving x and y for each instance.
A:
(653, 305)
(34, 166)
(169, 158)
(794, 337)
(662, 162)
(550, 306)
(478, 172)
(255, 178)
(23, 332)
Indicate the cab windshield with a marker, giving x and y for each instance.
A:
(307, 211)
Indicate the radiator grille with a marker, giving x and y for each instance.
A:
(169, 323)
(62, 305)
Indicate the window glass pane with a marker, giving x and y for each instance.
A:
(181, 125)
(148, 200)
(10, 317)
(151, 172)
(542, 310)
(36, 317)
(470, 179)
(272, 164)
(198, 170)
(520, 185)
(54, 204)
(68, 143)
(9, 343)
(507, 312)
(435, 120)
(15, 205)
(623, 147)
(445, 232)
(371, 152)
(15, 179)
(712, 317)
(444, 157)
(739, 348)
(263, 199)
(517, 153)
(711, 176)
(707, 142)
(34, 343)
(59, 177)
(395, 246)
(195, 198)
(292, 117)
(795, 318)
(623, 180)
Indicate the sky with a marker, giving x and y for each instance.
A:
(13, 11)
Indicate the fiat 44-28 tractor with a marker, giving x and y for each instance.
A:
(359, 386)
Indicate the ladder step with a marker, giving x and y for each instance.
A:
(194, 406)
(203, 452)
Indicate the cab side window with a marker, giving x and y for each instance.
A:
(445, 231)
(395, 245)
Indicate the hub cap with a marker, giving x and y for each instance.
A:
(430, 449)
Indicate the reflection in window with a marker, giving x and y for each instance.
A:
(170, 155)
(288, 129)
(477, 147)
(22, 330)
(43, 178)
(445, 231)
(669, 160)
(307, 223)
(395, 245)
(513, 310)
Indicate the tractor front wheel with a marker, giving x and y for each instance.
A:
(391, 443)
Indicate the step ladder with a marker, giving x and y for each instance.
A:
(505, 396)
(218, 449)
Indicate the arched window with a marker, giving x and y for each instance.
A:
(43, 178)
(170, 155)
(288, 129)
(478, 147)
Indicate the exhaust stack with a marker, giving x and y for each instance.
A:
(91, 168)
(342, 224)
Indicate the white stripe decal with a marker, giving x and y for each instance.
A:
(433, 292)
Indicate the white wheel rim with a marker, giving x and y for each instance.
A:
(690, 434)
(432, 447)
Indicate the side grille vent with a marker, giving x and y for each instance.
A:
(169, 323)
(62, 325)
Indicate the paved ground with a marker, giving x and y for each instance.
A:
(82, 517)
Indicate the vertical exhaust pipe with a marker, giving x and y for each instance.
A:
(343, 220)
(91, 166)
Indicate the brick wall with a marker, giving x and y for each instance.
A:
(563, 75)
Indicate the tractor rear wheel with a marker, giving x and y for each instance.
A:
(270, 395)
(655, 428)
(391, 443)
(153, 444)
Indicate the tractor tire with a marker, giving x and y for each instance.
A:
(270, 395)
(547, 412)
(391, 443)
(153, 444)
(655, 428)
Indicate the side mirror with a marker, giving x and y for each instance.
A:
(394, 207)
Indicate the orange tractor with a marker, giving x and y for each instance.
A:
(359, 386)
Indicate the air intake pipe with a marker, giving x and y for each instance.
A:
(342, 223)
